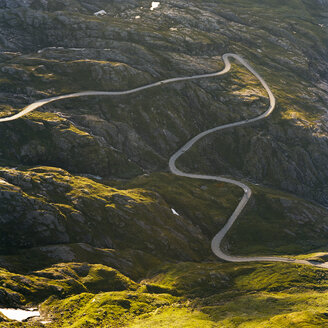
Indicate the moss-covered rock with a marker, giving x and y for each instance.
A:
(112, 309)
(60, 280)
(61, 208)
(248, 295)
(75, 240)
(73, 50)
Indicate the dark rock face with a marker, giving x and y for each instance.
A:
(51, 206)
(55, 47)
(66, 48)
(105, 199)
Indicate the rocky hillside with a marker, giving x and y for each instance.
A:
(55, 47)
(94, 230)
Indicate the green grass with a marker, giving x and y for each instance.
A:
(252, 295)
(205, 203)
(211, 294)
(275, 223)
(62, 280)
(174, 317)
(112, 309)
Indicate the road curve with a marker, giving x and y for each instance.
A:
(217, 240)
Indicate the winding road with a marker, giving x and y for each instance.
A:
(217, 240)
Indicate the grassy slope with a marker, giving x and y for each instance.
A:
(210, 294)
(273, 222)
(286, 62)
(250, 295)
(214, 295)
(278, 223)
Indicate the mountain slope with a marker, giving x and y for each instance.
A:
(94, 231)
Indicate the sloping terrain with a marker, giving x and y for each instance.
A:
(94, 231)
(118, 51)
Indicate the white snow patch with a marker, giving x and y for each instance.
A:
(91, 176)
(76, 49)
(154, 5)
(175, 212)
(100, 13)
(19, 314)
(49, 48)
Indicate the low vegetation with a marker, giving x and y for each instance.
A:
(94, 231)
